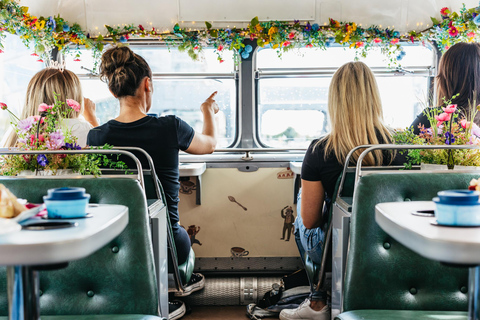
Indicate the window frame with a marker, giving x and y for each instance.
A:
(325, 72)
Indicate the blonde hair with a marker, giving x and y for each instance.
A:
(42, 89)
(356, 114)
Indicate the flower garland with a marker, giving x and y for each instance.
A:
(54, 32)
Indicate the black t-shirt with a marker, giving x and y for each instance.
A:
(161, 138)
(316, 167)
(422, 119)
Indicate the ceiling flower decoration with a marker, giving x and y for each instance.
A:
(46, 33)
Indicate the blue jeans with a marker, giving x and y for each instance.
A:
(310, 241)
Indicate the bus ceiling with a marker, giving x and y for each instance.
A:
(93, 15)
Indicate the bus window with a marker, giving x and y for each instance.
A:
(292, 91)
(180, 86)
(17, 67)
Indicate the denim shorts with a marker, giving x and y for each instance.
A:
(310, 240)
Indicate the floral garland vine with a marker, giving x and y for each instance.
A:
(55, 32)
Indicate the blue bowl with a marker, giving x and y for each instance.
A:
(458, 208)
(64, 203)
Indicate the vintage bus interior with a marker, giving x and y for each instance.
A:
(272, 82)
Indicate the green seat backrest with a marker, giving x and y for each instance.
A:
(120, 275)
(383, 274)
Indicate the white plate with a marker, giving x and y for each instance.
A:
(8, 225)
(27, 214)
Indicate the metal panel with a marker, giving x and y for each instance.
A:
(230, 291)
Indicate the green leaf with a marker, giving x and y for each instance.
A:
(214, 33)
(434, 21)
(209, 25)
(254, 21)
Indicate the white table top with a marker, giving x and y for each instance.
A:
(192, 169)
(296, 167)
(446, 244)
(28, 247)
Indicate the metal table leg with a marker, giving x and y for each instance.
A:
(23, 293)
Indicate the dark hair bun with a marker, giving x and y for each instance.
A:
(123, 70)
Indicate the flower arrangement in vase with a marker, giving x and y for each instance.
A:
(448, 126)
(49, 131)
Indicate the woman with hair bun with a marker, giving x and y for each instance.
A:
(66, 85)
(129, 79)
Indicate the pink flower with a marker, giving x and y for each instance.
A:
(453, 31)
(291, 35)
(221, 60)
(450, 109)
(3, 106)
(74, 105)
(44, 107)
(471, 34)
(36, 118)
(447, 47)
(444, 11)
(464, 123)
(1, 51)
(195, 48)
(359, 44)
(286, 43)
(309, 45)
(220, 48)
(443, 117)
(394, 41)
(377, 40)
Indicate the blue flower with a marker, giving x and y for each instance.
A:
(42, 160)
(401, 55)
(228, 41)
(72, 146)
(308, 27)
(396, 34)
(315, 27)
(296, 21)
(248, 48)
(476, 20)
(51, 23)
(228, 31)
(66, 28)
(449, 138)
(245, 54)
(123, 39)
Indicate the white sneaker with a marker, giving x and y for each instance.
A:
(304, 312)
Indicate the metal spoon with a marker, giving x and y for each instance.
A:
(232, 199)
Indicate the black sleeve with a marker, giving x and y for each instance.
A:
(185, 134)
(421, 119)
(311, 164)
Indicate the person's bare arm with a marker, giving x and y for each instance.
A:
(206, 141)
(313, 196)
(89, 112)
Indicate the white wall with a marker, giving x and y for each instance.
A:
(403, 15)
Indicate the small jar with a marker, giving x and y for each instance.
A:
(458, 208)
(64, 203)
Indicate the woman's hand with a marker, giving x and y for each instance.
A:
(89, 112)
(210, 104)
(206, 141)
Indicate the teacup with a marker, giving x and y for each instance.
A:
(238, 252)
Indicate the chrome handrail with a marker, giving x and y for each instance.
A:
(358, 172)
(14, 151)
(150, 163)
(345, 167)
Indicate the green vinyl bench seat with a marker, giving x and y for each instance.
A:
(116, 282)
(402, 315)
(384, 279)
